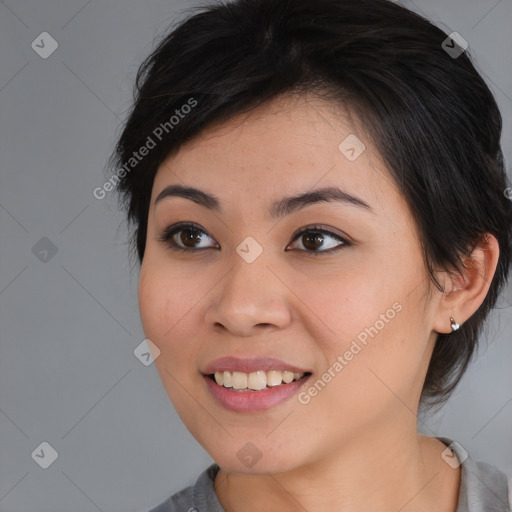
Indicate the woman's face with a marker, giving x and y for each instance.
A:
(353, 314)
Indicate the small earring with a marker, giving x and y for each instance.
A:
(453, 324)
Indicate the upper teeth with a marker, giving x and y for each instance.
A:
(255, 380)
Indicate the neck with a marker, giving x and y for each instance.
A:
(397, 471)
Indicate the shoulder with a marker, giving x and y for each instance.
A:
(181, 501)
(483, 487)
(198, 497)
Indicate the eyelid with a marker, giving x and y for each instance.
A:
(170, 231)
(321, 228)
(344, 241)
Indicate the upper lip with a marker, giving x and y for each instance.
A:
(235, 364)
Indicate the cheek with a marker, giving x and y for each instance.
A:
(164, 300)
(150, 303)
(370, 329)
(379, 364)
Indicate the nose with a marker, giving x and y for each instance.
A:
(249, 299)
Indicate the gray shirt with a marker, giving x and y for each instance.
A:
(483, 488)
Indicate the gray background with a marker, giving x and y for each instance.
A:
(70, 325)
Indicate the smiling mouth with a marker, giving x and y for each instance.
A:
(255, 381)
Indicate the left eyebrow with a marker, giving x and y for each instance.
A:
(291, 204)
(280, 208)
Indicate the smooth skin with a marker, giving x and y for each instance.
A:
(354, 446)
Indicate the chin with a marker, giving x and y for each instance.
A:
(231, 465)
(250, 460)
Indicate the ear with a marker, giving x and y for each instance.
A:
(465, 292)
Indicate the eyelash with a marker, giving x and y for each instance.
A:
(181, 226)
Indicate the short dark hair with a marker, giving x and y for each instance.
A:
(429, 113)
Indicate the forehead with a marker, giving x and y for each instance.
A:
(288, 145)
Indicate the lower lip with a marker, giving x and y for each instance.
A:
(246, 401)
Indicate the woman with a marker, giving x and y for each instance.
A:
(317, 193)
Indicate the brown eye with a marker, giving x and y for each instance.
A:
(184, 237)
(189, 236)
(314, 238)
